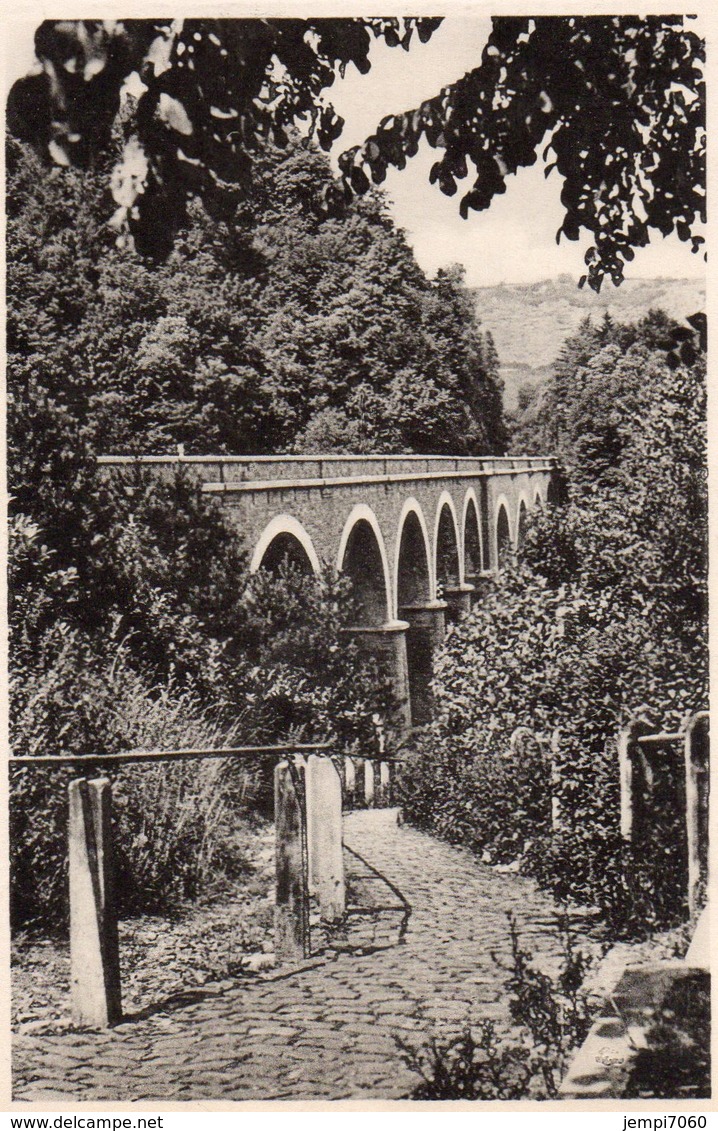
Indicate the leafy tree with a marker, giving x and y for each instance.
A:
(204, 78)
(619, 102)
(251, 329)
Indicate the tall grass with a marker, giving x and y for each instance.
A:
(174, 822)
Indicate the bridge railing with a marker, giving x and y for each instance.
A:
(310, 789)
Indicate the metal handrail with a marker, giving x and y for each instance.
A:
(671, 736)
(168, 755)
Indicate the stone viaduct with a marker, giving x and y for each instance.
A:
(416, 535)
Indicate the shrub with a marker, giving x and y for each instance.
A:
(170, 644)
(676, 1062)
(553, 1018)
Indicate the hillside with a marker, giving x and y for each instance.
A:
(530, 323)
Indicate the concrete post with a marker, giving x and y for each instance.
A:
(369, 783)
(349, 782)
(635, 778)
(697, 786)
(385, 783)
(291, 911)
(625, 777)
(94, 951)
(324, 836)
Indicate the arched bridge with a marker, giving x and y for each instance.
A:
(416, 534)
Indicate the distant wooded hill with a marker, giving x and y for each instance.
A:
(530, 323)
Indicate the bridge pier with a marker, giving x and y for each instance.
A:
(459, 601)
(426, 632)
(388, 643)
(480, 584)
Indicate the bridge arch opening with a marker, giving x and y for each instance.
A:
(286, 550)
(448, 572)
(503, 537)
(362, 557)
(538, 500)
(413, 584)
(424, 616)
(448, 565)
(285, 540)
(484, 524)
(473, 558)
(472, 546)
(362, 561)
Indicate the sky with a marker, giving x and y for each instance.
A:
(514, 241)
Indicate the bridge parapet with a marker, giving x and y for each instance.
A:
(241, 469)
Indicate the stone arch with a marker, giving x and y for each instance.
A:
(413, 581)
(447, 561)
(503, 532)
(521, 520)
(538, 499)
(285, 537)
(362, 557)
(471, 540)
(424, 617)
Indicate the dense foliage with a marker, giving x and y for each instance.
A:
(620, 100)
(619, 103)
(273, 331)
(214, 91)
(602, 619)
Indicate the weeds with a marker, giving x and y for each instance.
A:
(552, 1016)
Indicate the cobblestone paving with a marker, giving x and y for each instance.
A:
(416, 955)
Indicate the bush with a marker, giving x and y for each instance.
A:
(676, 1062)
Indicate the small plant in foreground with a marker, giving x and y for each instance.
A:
(554, 1014)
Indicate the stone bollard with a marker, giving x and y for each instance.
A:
(385, 783)
(291, 910)
(696, 795)
(324, 836)
(369, 783)
(349, 782)
(94, 950)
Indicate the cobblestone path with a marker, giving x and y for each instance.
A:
(416, 955)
